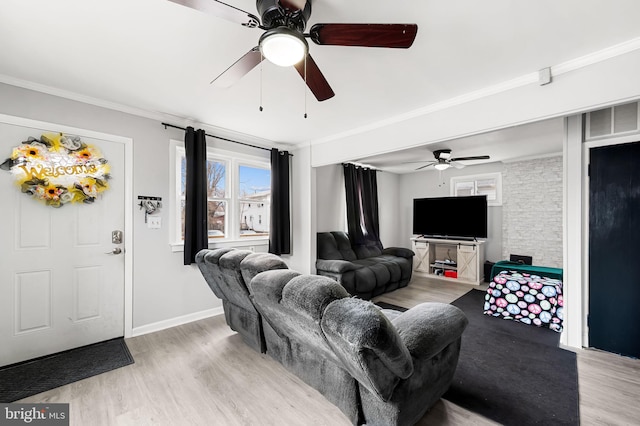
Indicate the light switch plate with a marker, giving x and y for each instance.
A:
(154, 222)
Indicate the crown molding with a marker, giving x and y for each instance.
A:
(139, 112)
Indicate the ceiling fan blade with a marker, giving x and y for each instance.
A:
(222, 10)
(315, 80)
(457, 165)
(239, 68)
(479, 157)
(426, 165)
(365, 35)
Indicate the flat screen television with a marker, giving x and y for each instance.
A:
(451, 217)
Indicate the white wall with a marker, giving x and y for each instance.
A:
(435, 184)
(331, 214)
(575, 326)
(164, 290)
(303, 213)
(388, 210)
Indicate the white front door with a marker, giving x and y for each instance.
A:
(59, 287)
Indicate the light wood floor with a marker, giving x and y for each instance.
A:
(203, 374)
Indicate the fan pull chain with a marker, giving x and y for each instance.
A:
(305, 83)
(261, 61)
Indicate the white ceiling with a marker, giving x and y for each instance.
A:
(534, 140)
(157, 57)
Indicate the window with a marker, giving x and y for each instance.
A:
(238, 190)
(489, 184)
(253, 199)
(617, 120)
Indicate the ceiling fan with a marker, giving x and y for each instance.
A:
(443, 160)
(284, 40)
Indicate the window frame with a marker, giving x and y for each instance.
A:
(233, 162)
(475, 178)
(612, 118)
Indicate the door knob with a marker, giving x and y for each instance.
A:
(116, 250)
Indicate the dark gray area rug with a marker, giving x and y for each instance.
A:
(510, 372)
(513, 373)
(18, 381)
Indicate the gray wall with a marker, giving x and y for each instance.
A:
(532, 210)
(163, 288)
(331, 204)
(528, 223)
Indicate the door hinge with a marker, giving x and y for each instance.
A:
(589, 170)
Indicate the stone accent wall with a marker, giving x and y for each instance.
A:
(532, 210)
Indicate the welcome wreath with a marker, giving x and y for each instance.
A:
(58, 169)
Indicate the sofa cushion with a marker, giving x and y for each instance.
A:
(232, 285)
(293, 305)
(255, 263)
(208, 262)
(335, 246)
(369, 249)
(310, 294)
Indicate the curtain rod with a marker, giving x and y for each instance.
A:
(221, 138)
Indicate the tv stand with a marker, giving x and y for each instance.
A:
(458, 260)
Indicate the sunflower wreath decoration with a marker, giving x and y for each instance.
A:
(58, 169)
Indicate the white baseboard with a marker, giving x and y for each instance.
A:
(173, 322)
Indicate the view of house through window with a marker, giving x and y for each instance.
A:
(238, 197)
(253, 198)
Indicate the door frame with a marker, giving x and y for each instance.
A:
(586, 159)
(128, 199)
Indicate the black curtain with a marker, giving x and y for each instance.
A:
(361, 187)
(195, 221)
(280, 226)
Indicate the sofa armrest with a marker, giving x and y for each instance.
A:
(428, 328)
(399, 251)
(369, 346)
(336, 266)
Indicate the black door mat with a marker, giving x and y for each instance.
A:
(24, 379)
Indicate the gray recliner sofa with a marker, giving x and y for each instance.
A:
(379, 367)
(365, 271)
(227, 271)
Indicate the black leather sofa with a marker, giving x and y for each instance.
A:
(365, 271)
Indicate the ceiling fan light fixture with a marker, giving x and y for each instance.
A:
(442, 166)
(283, 46)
